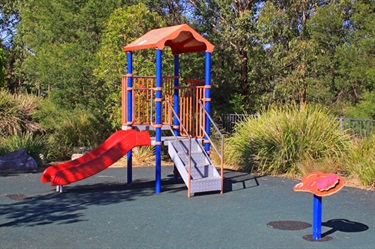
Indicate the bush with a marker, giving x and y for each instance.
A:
(35, 145)
(361, 160)
(37, 124)
(364, 109)
(16, 114)
(283, 137)
(78, 128)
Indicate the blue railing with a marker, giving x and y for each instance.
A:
(355, 127)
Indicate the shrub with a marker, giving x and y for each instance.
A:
(282, 137)
(16, 113)
(79, 128)
(67, 129)
(361, 160)
(35, 145)
(364, 109)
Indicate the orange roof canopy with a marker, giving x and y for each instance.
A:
(181, 39)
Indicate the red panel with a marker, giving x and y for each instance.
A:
(181, 38)
(114, 148)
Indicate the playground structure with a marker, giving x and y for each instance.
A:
(161, 103)
(320, 185)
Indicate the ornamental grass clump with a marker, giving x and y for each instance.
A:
(280, 138)
(361, 160)
(16, 113)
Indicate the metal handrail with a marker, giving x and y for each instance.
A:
(221, 153)
(188, 155)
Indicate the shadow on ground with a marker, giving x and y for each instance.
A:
(68, 207)
(343, 225)
(237, 180)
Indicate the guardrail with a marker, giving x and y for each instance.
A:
(359, 128)
(219, 152)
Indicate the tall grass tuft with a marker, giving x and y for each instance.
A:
(144, 156)
(361, 160)
(281, 138)
(35, 145)
(16, 113)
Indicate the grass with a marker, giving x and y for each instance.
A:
(16, 113)
(35, 145)
(284, 139)
(360, 160)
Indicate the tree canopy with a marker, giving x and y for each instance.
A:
(266, 52)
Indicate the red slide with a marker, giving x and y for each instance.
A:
(103, 156)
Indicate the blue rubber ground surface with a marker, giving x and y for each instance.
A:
(103, 212)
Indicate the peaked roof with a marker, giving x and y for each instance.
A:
(181, 39)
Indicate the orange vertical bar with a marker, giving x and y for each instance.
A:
(123, 100)
(190, 113)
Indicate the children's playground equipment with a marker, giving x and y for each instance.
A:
(320, 185)
(103, 156)
(161, 103)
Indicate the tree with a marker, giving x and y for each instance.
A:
(2, 68)
(365, 108)
(318, 50)
(342, 33)
(124, 26)
(232, 27)
(62, 38)
(172, 12)
(9, 18)
(283, 27)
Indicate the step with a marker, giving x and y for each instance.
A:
(206, 184)
(197, 158)
(182, 145)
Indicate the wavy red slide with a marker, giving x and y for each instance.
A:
(103, 156)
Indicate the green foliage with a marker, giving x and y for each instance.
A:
(124, 26)
(281, 137)
(318, 53)
(361, 161)
(67, 129)
(41, 126)
(35, 145)
(16, 114)
(2, 68)
(62, 38)
(364, 109)
(238, 65)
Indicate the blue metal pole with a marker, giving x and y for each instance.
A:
(176, 105)
(207, 96)
(176, 100)
(317, 218)
(158, 120)
(130, 113)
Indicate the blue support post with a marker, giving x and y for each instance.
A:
(158, 120)
(176, 99)
(176, 105)
(207, 96)
(317, 218)
(130, 112)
